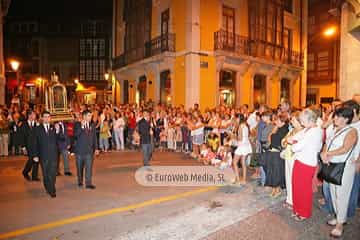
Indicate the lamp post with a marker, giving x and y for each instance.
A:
(107, 76)
(15, 65)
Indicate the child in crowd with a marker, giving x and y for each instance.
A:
(223, 157)
(178, 138)
(186, 138)
(163, 140)
(171, 138)
(213, 141)
(104, 136)
(136, 139)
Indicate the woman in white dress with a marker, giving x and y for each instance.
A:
(243, 149)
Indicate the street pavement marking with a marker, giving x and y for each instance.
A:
(103, 213)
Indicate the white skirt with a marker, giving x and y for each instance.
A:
(243, 149)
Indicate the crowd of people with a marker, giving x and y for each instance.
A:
(284, 147)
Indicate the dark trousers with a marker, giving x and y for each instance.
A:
(31, 166)
(84, 161)
(147, 153)
(49, 170)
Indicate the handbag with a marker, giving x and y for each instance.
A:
(333, 172)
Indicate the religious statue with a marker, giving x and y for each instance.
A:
(56, 100)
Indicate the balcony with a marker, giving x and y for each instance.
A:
(156, 46)
(160, 44)
(241, 45)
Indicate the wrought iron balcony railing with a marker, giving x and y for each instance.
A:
(241, 45)
(228, 41)
(158, 45)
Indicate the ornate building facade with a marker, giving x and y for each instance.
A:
(210, 52)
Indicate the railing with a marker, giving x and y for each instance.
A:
(154, 47)
(231, 42)
(241, 45)
(118, 61)
(162, 43)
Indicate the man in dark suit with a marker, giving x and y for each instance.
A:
(46, 143)
(64, 147)
(28, 129)
(85, 147)
(145, 132)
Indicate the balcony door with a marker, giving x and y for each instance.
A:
(165, 16)
(228, 26)
(259, 91)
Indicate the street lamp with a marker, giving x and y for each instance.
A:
(330, 31)
(14, 65)
(106, 76)
(76, 81)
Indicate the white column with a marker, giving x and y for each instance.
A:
(2, 65)
(238, 88)
(349, 83)
(268, 87)
(157, 85)
(192, 60)
(304, 37)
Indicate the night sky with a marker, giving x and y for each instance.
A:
(59, 8)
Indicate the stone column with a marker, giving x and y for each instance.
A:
(192, 59)
(304, 37)
(238, 89)
(2, 64)
(349, 83)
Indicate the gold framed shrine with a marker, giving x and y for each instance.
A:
(56, 101)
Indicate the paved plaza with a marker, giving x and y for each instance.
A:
(120, 208)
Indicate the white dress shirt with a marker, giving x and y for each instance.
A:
(308, 146)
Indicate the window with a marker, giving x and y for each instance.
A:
(24, 28)
(285, 89)
(82, 48)
(165, 29)
(228, 25)
(142, 88)
(92, 59)
(126, 92)
(259, 89)
(266, 27)
(288, 38)
(35, 66)
(102, 47)
(311, 99)
(165, 86)
(137, 16)
(288, 4)
(311, 62)
(82, 70)
(35, 48)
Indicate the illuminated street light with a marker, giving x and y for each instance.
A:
(106, 76)
(330, 31)
(14, 65)
(76, 81)
(39, 81)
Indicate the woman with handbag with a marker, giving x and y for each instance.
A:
(287, 154)
(305, 149)
(337, 156)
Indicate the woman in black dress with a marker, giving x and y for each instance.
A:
(274, 165)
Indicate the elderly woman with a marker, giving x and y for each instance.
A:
(338, 150)
(292, 137)
(306, 149)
